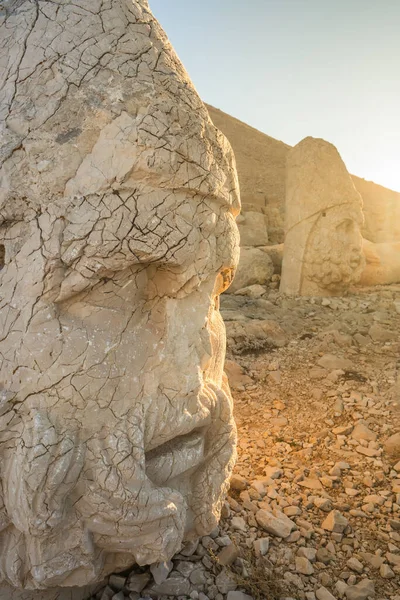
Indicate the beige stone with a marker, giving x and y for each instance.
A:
(238, 483)
(330, 361)
(261, 162)
(311, 484)
(255, 334)
(253, 228)
(228, 555)
(382, 263)
(303, 566)
(335, 522)
(255, 267)
(261, 167)
(275, 253)
(117, 204)
(275, 522)
(323, 244)
(392, 445)
(252, 291)
(261, 546)
(381, 211)
(236, 375)
(363, 590)
(323, 594)
(382, 334)
(362, 432)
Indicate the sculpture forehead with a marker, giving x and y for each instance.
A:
(77, 71)
(348, 211)
(318, 181)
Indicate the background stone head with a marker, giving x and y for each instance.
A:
(323, 243)
(117, 207)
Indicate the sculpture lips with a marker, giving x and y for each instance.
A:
(175, 457)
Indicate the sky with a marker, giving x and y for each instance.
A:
(294, 68)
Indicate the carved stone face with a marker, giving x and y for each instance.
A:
(323, 244)
(334, 256)
(117, 207)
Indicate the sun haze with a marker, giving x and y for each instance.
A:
(298, 68)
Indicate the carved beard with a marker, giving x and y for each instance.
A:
(112, 518)
(334, 259)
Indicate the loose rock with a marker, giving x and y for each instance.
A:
(275, 523)
(335, 522)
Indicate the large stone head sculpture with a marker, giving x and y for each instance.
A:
(323, 243)
(117, 208)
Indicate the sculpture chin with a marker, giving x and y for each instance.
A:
(118, 501)
(206, 454)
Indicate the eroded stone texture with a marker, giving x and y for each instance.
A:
(382, 263)
(117, 208)
(323, 244)
(255, 267)
(253, 228)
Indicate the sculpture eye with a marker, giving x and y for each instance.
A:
(2, 256)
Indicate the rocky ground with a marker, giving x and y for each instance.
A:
(314, 506)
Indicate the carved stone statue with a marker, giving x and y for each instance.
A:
(117, 207)
(323, 244)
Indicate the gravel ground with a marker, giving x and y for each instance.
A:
(314, 507)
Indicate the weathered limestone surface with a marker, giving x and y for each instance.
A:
(323, 244)
(381, 209)
(275, 253)
(255, 267)
(382, 263)
(261, 163)
(117, 209)
(253, 228)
